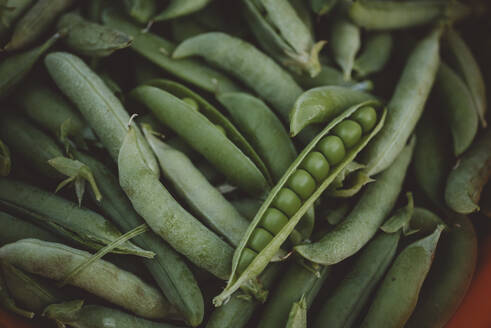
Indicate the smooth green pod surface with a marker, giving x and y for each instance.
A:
(398, 293)
(322, 104)
(55, 261)
(14, 229)
(458, 107)
(362, 223)
(263, 129)
(262, 259)
(375, 55)
(406, 104)
(345, 43)
(198, 193)
(204, 137)
(297, 318)
(99, 106)
(90, 39)
(245, 62)
(8, 303)
(158, 51)
(166, 217)
(168, 269)
(469, 176)
(178, 8)
(347, 300)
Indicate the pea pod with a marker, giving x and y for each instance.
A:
(450, 274)
(166, 217)
(8, 302)
(298, 282)
(331, 76)
(398, 293)
(263, 129)
(458, 108)
(297, 318)
(15, 68)
(323, 7)
(322, 104)
(12, 11)
(364, 220)
(282, 34)
(469, 176)
(391, 15)
(375, 55)
(466, 65)
(158, 51)
(5, 161)
(101, 278)
(204, 136)
(243, 61)
(343, 306)
(90, 39)
(99, 106)
(200, 195)
(178, 8)
(168, 269)
(345, 43)
(141, 11)
(406, 104)
(14, 229)
(80, 224)
(284, 203)
(35, 22)
(76, 314)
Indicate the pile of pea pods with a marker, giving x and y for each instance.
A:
(247, 163)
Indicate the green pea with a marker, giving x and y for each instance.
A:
(366, 117)
(273, 220)
(332, 147)
(191, 102)
(245, 259)
(302, 183)
(349, 131)
(260, 238)
(316, 164)
(287, 201)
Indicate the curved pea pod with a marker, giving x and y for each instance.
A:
(331, 76)
(432, 157)
(406, 104)
(14, 229)
(263, 129)
(298, 282)
(464, 63)
(8, 303)
(166, 217)
(66, 218)
(343, 306)
(99, 106)
(15, 68)
(450, 274)
(28, 290)
(424, 222)
(246, 63)
(204, 136)
(469, 176)
(101, 278)
(35, 22)
(375, 55)
(76, 314)
(178, 8)
(168, 269)
(52, 111)
(349, 236)
(90, 39)
(322, 104)
(290, 204)
(198, 193)
(322, 7)
(304, 13)
(458, 108)
(281, 33)
(297, 318)
(142, 11)
(240, 308)
(398, 293)
(5, 161)
(158, 51)
(345, 43)
(392, 15)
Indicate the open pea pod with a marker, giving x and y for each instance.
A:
(283, 203)
(215, 117)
